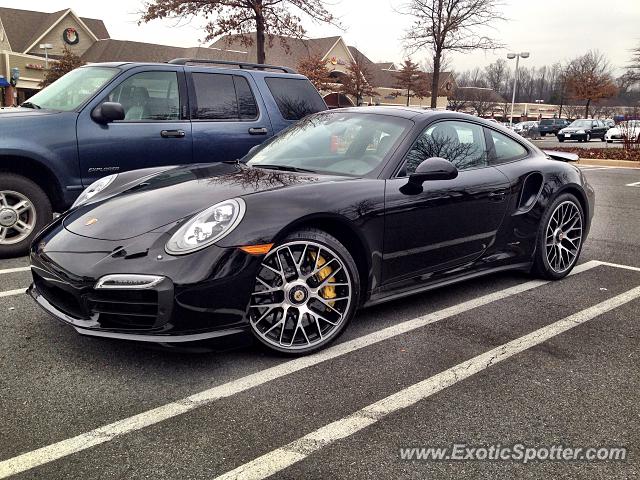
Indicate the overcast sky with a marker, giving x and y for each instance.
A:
(552, 30)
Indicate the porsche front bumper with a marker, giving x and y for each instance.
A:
(199, 296)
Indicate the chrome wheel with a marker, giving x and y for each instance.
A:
(17, 217)
(302, 296)
(564, 236)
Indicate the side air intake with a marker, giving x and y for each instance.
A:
(530, 191)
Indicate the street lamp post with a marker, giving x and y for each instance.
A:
(46, 47)
(517, 56)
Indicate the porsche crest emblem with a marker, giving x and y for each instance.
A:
(91, 221)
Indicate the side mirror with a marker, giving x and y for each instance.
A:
(434, 168)
(108, 112)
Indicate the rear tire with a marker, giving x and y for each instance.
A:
(560, 139)
(24, 210)
(305, 311)
(559, 238)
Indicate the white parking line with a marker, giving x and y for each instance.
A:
(9, 293)
(14, 270)
(299, 449)
(106, 433)
(634, 184)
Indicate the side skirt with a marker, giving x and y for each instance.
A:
(378, 298)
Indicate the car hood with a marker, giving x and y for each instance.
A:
(8, 113)
(167, 197)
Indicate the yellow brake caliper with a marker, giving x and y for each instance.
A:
(328, 291)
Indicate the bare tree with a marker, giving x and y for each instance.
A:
(497, 75)
(450, 26)
(358, 82)
(315, 69)
(589, 79)
(456, 101)
(266, 17)
(483, 101)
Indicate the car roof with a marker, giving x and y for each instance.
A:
(217, 67)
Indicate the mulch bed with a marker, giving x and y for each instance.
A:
(604, 153)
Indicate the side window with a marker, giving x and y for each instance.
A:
(222, 96)
(247, 107)
(215, 97)
(459, 142)
(148, 96)
(505, 148)
(296, 98)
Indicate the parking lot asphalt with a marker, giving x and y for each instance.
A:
(551, 141)
(503, 359)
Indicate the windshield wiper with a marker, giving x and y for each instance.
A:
(30, 105)
(286, 168)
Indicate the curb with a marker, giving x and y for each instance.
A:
(608, 163)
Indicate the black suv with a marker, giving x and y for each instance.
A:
(551, 125)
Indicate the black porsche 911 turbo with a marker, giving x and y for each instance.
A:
(343, 210)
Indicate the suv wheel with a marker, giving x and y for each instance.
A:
(24, 210)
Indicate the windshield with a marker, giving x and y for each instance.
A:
(581, 124)
(71, 90)
(546, 122)
(333, 142)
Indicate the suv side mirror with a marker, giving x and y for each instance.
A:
(434, 168)
(108, 112)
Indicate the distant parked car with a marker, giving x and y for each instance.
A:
(583, 130)
(552, 125)
(524, 127)
(630, 129)
(609, 123)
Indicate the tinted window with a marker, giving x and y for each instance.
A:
(223, 97)
(459, 142)
(215, 97)
(506, 149)
(149, 96)
(546, 122)
(247, 108)
(296, 98)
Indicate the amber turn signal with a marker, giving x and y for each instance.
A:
(257, 249)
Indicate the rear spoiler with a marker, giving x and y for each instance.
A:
(563, 156)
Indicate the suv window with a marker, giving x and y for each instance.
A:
(506, 149)
(222, 96)
(459, 142)
(296, 97)
(148, 96)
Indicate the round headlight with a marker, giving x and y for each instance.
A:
(207, 227)
(93, 189)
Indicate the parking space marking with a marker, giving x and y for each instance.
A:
(15, 270)
(618, 265)
(106, 433)
(283, 457)
(634, 184)
(9, 293)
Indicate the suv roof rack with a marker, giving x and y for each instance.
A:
(242, 65)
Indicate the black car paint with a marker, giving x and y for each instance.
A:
(212, 286)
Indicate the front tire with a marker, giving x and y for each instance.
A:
(306, 292)
(24, 210)
(559, 239)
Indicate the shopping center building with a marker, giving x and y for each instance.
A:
(29, 40)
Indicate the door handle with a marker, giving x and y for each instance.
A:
(258, 131)
(497, 196)
(172, 133)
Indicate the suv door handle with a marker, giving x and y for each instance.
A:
(497, 196)
(172, 133)
(258, 131)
